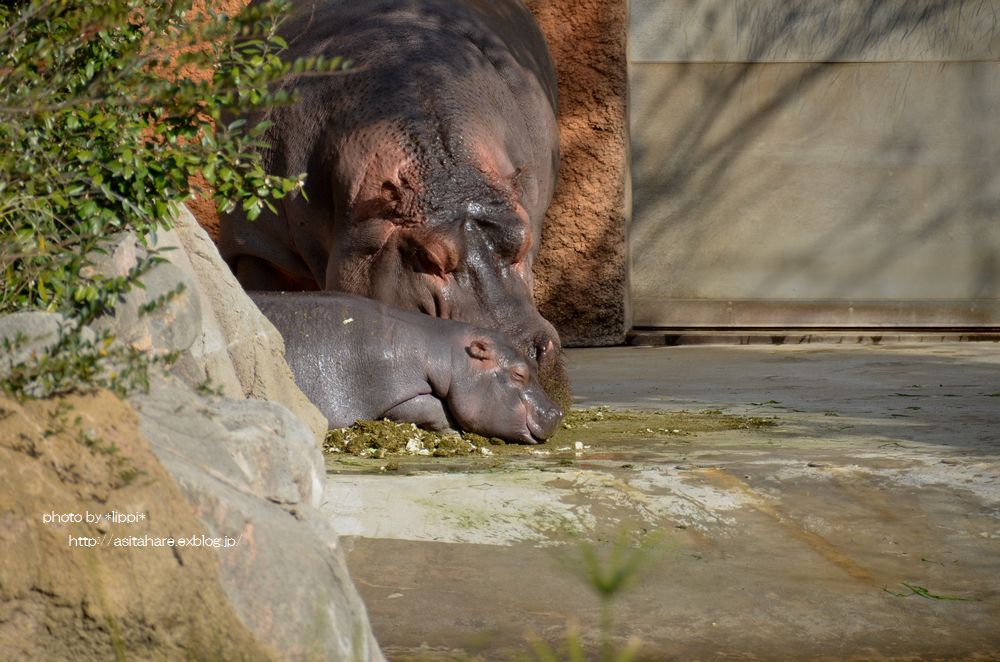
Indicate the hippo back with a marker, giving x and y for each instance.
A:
(349, 355)
(481, 63)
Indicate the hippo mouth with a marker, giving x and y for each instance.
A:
(533, 432)
(540, 423)
(527, 437)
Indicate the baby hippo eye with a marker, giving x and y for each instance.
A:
(519, 375)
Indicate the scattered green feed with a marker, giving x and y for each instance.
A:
(380, 438)
(586, 427)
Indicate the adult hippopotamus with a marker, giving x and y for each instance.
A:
(356, 358)
(430, 165)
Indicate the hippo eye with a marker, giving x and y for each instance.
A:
(519, 375)
(506, 234)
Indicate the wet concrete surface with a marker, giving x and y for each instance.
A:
(863, 524)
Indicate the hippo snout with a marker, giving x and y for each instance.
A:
(543, 418)
(546, 349)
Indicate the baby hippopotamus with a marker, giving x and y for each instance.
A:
(356, 358)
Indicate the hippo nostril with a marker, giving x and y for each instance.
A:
(541, 348)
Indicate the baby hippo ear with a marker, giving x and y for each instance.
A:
(481, 348)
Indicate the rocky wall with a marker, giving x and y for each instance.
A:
(580, 276)
(224, 446)
(61, 598)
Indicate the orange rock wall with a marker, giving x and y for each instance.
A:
(580, 275)
(202, 207)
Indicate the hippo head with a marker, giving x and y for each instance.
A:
(449, 233)
(494, 391)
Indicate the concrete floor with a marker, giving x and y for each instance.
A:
(835, 534)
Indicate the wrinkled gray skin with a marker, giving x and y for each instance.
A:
(430, 165)
(407, 367)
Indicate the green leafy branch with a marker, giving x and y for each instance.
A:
(110, 113)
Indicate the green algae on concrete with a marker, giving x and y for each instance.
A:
(597, 422)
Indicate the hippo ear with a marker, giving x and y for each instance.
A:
(480, 348)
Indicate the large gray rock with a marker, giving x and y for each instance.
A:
(32, 334)
(24, 334)
(238, 349)
(60, 601)
(251, 472)
(172, 326)
(225, 343)
(251, 469)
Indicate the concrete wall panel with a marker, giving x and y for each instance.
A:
(765, 193)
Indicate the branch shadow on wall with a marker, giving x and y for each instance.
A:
(800, 169)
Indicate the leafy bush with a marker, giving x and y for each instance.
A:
(108, 110)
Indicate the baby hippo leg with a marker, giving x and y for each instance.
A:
(425, 411)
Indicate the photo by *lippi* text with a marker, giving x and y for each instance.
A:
(100, 520)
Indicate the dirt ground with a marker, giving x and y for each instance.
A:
(848, 509)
